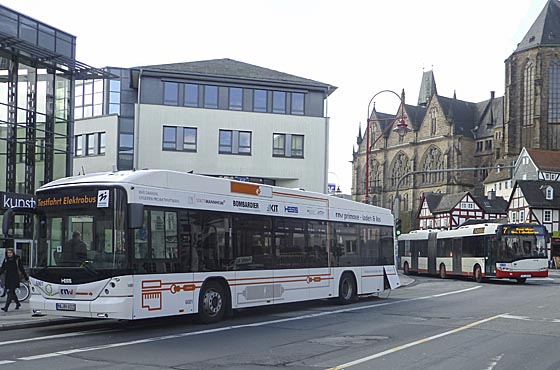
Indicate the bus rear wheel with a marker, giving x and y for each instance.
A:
(347, 291)
(477, 274)
(442, 271)
(406, 269)
(212, 302)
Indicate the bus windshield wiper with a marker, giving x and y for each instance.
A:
(88, 266)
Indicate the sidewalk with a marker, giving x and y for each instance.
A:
(23, 318)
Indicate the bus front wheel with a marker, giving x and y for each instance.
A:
(477, 274)
(347, 291)
(406, 269)
(212, 302)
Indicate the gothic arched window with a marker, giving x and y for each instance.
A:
(554, 92)
(400, 166)
(433, 121)
(374, 175)
(528, 94)
(432, 160)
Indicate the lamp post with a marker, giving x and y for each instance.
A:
(337, 184)
(401, 130)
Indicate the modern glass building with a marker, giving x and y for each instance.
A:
(38, 71)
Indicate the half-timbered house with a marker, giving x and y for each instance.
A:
(449, 211)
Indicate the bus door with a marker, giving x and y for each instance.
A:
(457, 254)
(414, 251)
(490, 251)
(432, 253)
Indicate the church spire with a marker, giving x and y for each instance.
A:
(427, 88)
(545, 31)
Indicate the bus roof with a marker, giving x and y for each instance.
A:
(483, 229)
(418, 234)
(226, 194)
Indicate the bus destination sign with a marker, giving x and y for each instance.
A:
(522, 230)
(74, 199)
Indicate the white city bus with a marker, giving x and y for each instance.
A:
(161, 243)
(513, 251)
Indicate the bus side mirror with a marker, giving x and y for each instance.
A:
(135, 216)
(8, 223)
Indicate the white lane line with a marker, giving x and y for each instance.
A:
(226, 328)
(57, 336)
(526, 318)
(6, 362)
(494, 362)
(411, 344)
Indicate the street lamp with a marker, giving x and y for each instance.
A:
(401, 129)
(337, 184)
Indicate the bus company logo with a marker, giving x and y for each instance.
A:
(103, 199)
(272, 208)
(67, 292)
(291, 209)
(213, 202)
(245, 204)
(339, 215)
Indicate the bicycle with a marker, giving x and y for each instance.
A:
(22, 293)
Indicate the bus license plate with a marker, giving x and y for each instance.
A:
(525, 276)
(66, 307)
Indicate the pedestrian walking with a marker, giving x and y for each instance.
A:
(12, 267)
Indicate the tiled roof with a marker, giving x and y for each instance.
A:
(234, 69)
(496, 205)
(547, 160)
(534, 193)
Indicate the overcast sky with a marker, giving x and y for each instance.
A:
(362, 47)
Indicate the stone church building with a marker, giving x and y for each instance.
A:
(451, 133)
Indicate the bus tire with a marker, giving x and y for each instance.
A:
(406, 269)
(212, 303)
(521, 280)
(442, 271)
(347, 290)
(477, 274)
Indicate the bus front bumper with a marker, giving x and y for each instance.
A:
(99, 308)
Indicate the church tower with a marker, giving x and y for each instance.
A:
(532, 87)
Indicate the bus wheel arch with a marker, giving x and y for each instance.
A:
(442, 271)
(477, 273)
(214, 300)
(406, 268)
(347, 288)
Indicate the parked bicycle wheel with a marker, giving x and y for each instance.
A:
(22, 292)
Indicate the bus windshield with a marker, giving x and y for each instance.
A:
(83, 238)
(522, 246)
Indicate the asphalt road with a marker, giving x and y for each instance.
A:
(431, 324)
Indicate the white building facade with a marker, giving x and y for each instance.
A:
(219, 118)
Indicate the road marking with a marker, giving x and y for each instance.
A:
(525, 318)
(67, 335)
(233, 327)
(494, 362)
(6, 362)
(411, 344)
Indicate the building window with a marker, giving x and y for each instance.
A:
(279, 145)
(114, 97)
(235, 142)
(521, 216)
(210, 96)
(79, 146)
(90, 139)
(189, 139)
(279, 102)
(259, 100)
(528, 94)
(235, 98)
(101, 143)
(514, 217)
(126, 143)
(554, 92)
(433, 121)
(549, 193)
(40, 154)
(297, 146)
(191, 95)
(169, 138)
(547, 215)
(297, 103)
(170, 93)
(179, 138)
